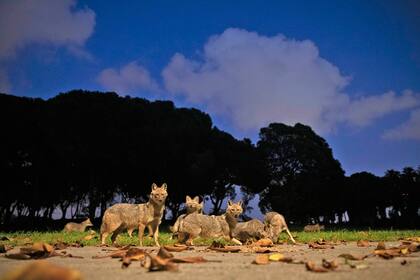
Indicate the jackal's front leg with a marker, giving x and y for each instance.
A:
(141, 233)
(155, 228)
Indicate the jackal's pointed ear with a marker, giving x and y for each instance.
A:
(164, 186)
(230, 202)
(196, 199)
(188, 198)
(240, 203)
(154, 186)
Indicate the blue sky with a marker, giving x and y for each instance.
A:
(349, 69)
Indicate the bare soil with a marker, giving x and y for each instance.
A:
(239, 265)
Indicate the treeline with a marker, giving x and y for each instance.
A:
(82, 151)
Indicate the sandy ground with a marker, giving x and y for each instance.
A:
(239, 265)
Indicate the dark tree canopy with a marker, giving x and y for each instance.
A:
(81, 151)
(304, 176)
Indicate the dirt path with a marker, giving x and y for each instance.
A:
(239, 265)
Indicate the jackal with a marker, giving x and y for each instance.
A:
(123, 216)
(69, 227)
(250, 231)
(193, 205)
(313, 228)
(195, 225)
(277, 224)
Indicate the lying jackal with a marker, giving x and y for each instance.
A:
(250, 231)
(122, 216)
(193, 205)
(313, 228)
(69, 227)
(195, 225)
(277, 224)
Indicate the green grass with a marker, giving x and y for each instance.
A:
(22, 238)
(352, 235)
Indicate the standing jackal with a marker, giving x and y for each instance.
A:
(193, 205)
(195, 225)
(277, 224)
(122, 216)
(69, 227)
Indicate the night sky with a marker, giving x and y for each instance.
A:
(349, 69)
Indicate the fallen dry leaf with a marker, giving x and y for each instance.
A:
(116, 254)
(277, 257)
(43, 270)
(359, 266)
(315, 245)
(311, 266)
(164, 254)
(390, 253)
(18, 256)
(126, 261)
(217, 246)
(261, 250)
(352, 257)
(363, 243)
(135, 254)
(176, 248)
(381, 246)
(330, 264)
(261, 259)
(196, 259)
(60, 246)
(156, 263)
(414, 247)
(264, 242)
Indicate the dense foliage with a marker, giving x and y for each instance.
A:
(81, 151)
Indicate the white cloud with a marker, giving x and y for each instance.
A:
(365, 110)
(53, 22)
(5, 85)
(408, 130)
(130, 78)
(254, 80)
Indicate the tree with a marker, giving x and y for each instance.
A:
(304, 177)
